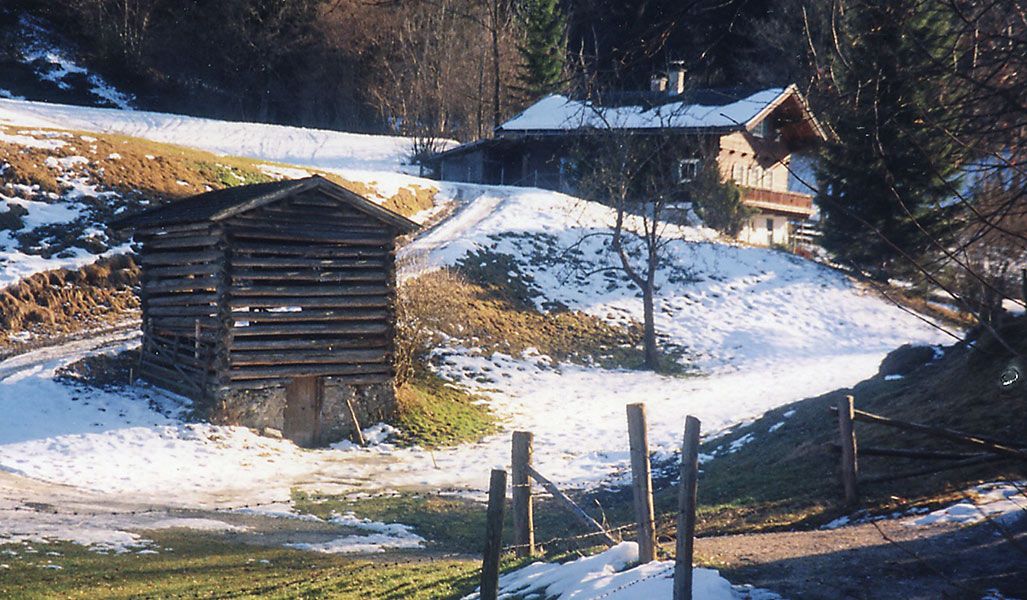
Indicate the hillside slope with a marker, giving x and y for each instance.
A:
(749, 330)
(781, 469)
(60, 188)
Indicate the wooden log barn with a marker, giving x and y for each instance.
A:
(272, 305)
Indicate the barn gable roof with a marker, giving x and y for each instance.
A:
(223, 204)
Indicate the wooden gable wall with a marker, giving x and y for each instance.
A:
(311, 292)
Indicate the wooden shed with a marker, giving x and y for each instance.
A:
(272, 305)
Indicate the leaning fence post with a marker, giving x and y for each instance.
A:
(493, 536)
(523, 520)
(847, 439)
(642, 482)
(688, 487)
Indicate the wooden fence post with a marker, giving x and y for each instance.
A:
(196, 340)
(642, 482)
(523, 520)
(493, 536)
(688, 488)
(847, 439)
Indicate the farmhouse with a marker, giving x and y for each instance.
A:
(272, 305)
(749, 135)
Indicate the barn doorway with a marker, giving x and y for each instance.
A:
(303, 397)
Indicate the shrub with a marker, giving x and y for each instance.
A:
(718, 202)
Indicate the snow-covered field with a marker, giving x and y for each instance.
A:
(758, 328)
(277, 143)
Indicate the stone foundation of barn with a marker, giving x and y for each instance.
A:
(265, 408)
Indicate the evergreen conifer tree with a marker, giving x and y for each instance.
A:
(543, 48)
(887, 172)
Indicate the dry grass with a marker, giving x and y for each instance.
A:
(66, 301)
(495, 318)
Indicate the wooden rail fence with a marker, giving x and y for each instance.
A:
(523, 474)
(989, 449)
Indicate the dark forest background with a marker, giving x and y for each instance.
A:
(359, 64)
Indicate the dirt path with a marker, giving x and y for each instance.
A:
(930, 562)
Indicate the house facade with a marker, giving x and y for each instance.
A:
(750, 136)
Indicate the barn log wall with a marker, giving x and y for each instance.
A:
(182, 266)
(310, 292)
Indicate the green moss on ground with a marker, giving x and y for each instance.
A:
(204, 566)
(434, 413)
(449, 522)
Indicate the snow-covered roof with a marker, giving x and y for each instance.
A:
(701, 110)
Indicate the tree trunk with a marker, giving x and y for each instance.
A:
(652, 358)
(496, 81)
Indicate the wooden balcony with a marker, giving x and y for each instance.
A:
(792, 203)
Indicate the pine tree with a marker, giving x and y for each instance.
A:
(543, 48)
(890, 166)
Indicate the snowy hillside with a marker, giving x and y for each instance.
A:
(726, 304)
(756, 329)
(276, 143)
(762, 328)
(44, 65)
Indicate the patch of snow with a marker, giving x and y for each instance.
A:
(376, 435)
(894, 377)
(54, 63)
(606, 575)
(31, 141)
(359, 544)
(1014, 307)
(196, 523)
(1001, 500)
(278, 510)
(382, 537)
(740, 443)
(776, 426)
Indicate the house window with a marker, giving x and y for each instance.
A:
(770, 226)
(762, 129)
(688, 169)
(738, 173)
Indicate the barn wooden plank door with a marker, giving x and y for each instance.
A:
(303, 398)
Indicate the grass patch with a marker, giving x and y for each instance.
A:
(449, 523)
(433, 412)
(204, 566)
(491, 311)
